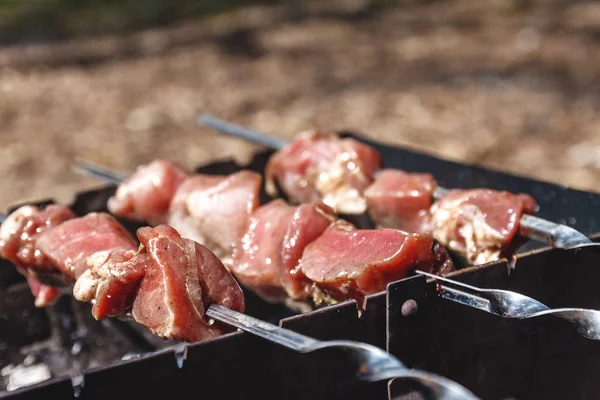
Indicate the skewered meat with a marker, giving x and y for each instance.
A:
(262, 246)
(318, 167)
(80, 244)
(307, 224)
(166, 284)
(195, 205)
(45, 295)
(18, 235)
(182, 279)
(69, 245)
(401, 200)
(215, 210)
(21, 229)
(480, 223)
(147, 194)
(367, 260)
(256, 261)
(397, 199)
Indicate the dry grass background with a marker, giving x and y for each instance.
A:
(477, 81)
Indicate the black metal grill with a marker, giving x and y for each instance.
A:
(495, 358)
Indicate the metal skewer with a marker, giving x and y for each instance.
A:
(239, 131)
(373, 364)
(509, 304)
(556, 235)
(88, 168)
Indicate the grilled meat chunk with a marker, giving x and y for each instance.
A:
(366, 260)
(215, 210)
(166, 283)
(307, 224)
(69, 245)
(146, 195)
(256, 259)
(45, 295)
(182, 279)
(318, 167)
(18, 235)
(480, 223)
(21, 229)
(401, 200)
(91, 242)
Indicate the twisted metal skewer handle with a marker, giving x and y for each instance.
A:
(507, 304)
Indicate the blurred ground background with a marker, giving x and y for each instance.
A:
(510, 85)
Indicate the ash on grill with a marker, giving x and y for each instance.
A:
(64, 340)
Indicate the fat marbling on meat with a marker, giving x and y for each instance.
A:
(349, 263)
(480, 223)
(320, 167)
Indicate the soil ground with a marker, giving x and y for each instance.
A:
(484, 82)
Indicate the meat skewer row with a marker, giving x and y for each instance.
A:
(298, 255)
(165, 284)
(169, 284)
(481, 224)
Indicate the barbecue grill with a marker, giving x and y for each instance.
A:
(495, 358)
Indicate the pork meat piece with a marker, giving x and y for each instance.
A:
(349, 263)
(18, 235)
(319, 167)
(70, 245)
(215, 210)
(44, 295)
(479, 223)
(307, 224)
(256, 261)
(401, 200)
(94, 242)
(110, 283)
(20, 230)
(146, 195)
(182, 279)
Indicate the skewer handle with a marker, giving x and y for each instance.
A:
(556, 235)
(241, 132)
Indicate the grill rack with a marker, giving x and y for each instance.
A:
(462, 344)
